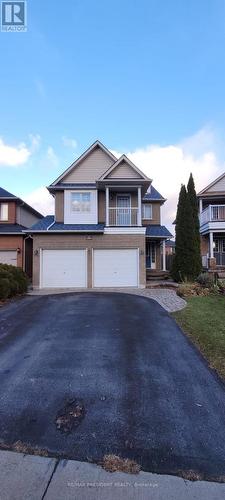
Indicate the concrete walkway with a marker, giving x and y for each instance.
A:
(27, 477)
(166, 297)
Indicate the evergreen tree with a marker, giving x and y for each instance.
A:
(197, 265)
(187, 260)
(179, 263)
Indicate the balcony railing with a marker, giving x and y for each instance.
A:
(213, 213)
(126, 216)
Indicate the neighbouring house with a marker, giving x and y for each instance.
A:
(170, 247)
(170, 252)
(106, 230)
(15, 216)
(212, 224)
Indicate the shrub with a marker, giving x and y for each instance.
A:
(221, 286)
(4, 288)
(206, 280)
(192, 289)
(13, 281)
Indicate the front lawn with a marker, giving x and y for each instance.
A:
(203, 320)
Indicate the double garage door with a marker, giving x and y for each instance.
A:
(110, 268)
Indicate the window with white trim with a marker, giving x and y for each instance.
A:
(147, 211)
(4, 212)
(81, 202)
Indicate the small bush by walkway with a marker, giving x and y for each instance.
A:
(203, 320)
(13, 281)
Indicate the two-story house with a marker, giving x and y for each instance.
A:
(106, 229)
(212, 224)
(15, 216)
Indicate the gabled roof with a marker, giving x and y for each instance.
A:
(82, 157)
(122, 159)
(211, 184)
(154, 195)
(5, 194)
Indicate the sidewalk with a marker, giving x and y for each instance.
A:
(27, 477)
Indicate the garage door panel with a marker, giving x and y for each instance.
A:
(115, 268)
(64, 268)
(8, 257)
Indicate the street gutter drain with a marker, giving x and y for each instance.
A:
(70, 416)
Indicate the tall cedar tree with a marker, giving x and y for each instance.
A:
(179, 262)
(187, 261)
(196, 263)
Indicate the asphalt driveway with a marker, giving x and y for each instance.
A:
(145, 390)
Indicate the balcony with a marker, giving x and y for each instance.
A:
(213, 214)
(123, 206)
(126, 216)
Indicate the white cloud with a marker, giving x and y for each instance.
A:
(170, 166)
(69, 143)
(13, 156)
(41, 200)
(52, 158)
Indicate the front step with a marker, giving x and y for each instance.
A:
(155, 275)
(161, 284)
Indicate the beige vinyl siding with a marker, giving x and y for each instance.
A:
(156, 207)
(101, 207)
(90, 168)
(123, 171)
(59, 206)
(25, 217)
(218, 187)
(89, 242)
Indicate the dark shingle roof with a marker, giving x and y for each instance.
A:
(44, 224)
(170, 243)
(11, 228)
(77, 227)
(157, 231)
(6, 194)
(154, 195)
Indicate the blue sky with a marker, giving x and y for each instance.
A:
(135, 74)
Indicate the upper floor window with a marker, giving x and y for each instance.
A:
(81, 202)
(147, 211)
(4, 211)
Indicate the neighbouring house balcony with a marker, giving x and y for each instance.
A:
(212, 217)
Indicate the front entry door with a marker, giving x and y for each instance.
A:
(150, 255)
(219, 251)
(123, 210)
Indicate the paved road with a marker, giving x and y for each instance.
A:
(147, 393)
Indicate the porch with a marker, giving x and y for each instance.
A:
(155, 258)
(213, 250)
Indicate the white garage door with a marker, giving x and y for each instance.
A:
(113, 268)
(64, 269)
(8, 257)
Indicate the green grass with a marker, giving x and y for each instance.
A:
(203, 320)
